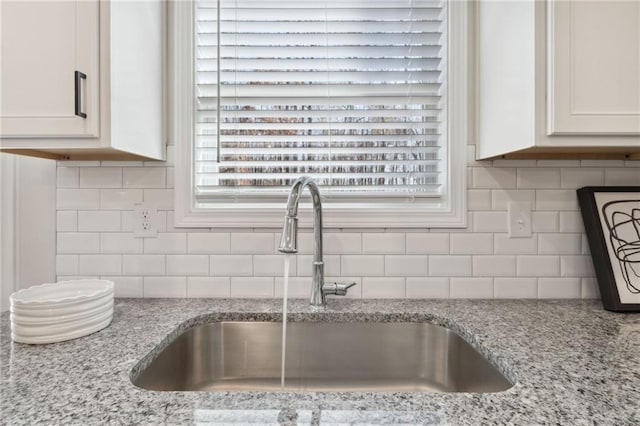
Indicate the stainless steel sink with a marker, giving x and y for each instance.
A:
(389, 357)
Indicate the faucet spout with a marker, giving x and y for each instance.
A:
(289, 240)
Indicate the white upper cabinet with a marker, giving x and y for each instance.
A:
(44, 46)
(82, 79)
(558, 79)
(594, 66)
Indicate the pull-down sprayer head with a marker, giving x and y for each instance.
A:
(289, 240)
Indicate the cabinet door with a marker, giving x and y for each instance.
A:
(594, 67)
(42, 45)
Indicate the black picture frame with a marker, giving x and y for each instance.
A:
(611, 216)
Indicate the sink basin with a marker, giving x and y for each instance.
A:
(344, 357)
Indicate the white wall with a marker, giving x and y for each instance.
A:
(7, 226)
(27, 223)
(94, 224)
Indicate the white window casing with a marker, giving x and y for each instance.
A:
(370, 98)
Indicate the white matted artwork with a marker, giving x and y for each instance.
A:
(612, 222)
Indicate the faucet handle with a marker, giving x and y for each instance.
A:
(338, 289)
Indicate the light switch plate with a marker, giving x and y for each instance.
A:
(519, 219)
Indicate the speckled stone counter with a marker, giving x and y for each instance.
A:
(573, 364)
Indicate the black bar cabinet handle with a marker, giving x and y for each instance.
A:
(79, 76)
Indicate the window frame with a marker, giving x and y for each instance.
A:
(448, 211)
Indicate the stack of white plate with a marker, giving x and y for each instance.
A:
(56, 312)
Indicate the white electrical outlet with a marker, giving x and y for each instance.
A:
(145, 221)
(519, 219)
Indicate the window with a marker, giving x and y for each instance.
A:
(366, 96)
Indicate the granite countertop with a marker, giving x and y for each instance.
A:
(573, 363)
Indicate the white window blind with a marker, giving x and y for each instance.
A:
(350, 92)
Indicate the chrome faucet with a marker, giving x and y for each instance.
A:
(289, 241)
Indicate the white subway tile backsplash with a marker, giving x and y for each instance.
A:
(75, 199)
(622, 177)
(75, 243)
(208, 287)
(95, 238)
(231, 265)
(579, 177)
(471, 288)
(556, 199)
(127, 220)
(161, 222)
(165, 287)
(100, 177)
(67, 221)
(479, 199)
(383, 243)
(127, 286)
(558, 163)
(100, 264)
(514, 163)
(490, 221)
(187, 264)
(162, 199)
(602, 163)
(99, 221)
(67, 264)
(559, 288)
(492, 177)
(272, 265)
(426, 243)
(144, 177)
(515, 288)
(383, 288)
(342, 243)
(166, 243)
(576, 266)
(538, 178)
(304, 264)
(427, 288)
(79, 163)
(254, 287)
(299, 287)
(449, 266)
(121, 163)
(403, 266)
(471, 243)
(120, 243)
(76, 277)
(119, 199)
(571, 222)
(67, 177)
(545, 222)
(143, 264)
(559, 243)
(252, 243)
(500, 198)
(504, 245)
(362, 265)
(494, 266)
(538, 266)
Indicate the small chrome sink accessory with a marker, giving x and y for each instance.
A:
(289, 241)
